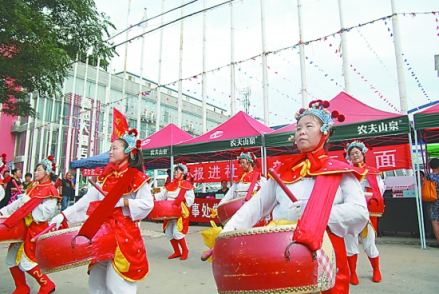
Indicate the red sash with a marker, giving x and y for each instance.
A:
(21, 213)
(252, 186)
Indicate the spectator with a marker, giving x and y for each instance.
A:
(67, 190)
(168, 179)
(224, 189)
(11, 191)
(6, 177)
(433, 207)
(27, 181)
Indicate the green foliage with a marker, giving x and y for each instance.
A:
(40, 40)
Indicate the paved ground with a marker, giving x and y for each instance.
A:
(405, 268)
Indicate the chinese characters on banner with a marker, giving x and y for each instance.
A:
(89, 172)
(384, 158)
(200, 212)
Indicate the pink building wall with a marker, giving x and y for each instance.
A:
(7, 138)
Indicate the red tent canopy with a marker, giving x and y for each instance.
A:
(169, 135)
(353, 110)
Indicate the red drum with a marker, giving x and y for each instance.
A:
(375, 205)
(227, 209)
(265, 260)
(164, 210)
(15, 234)
(62, 249)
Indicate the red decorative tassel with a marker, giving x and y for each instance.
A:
(138, 143)
(50, 157)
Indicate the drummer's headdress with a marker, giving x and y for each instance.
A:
(3, 161)
(134, 144)
(183, 167)
(246, 154)
(318, 108)
(48, 164)
(355, 143)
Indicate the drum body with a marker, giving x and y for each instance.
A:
(164, 210)
(227, 209)
(375, 205)
(15, 234)
(62, 249)
(255, 261)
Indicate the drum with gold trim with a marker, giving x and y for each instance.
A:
(15, 234)
(375, 205)
(64, 249)
(164, 210)
(227, 209)
(265, 260)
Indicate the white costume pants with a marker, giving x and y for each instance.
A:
(105, 280)
(369, 245)
(25, 264)
(172, 232)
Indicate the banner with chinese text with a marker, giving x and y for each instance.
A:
(200, 212)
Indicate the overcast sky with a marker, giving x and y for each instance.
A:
(370, 50)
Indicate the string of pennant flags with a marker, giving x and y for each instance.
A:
(295, 46)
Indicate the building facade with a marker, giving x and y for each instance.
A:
(72, 127)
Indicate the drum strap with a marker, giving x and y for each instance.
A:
(21, 213)
(312, 225)
(252, 185)
(104, 210)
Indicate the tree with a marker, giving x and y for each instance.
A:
(39, 42)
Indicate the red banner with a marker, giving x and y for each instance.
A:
(384, 158)
(120, 125)
(200, 212)
(89, 172)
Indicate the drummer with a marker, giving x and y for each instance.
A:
(348, 212)
(247, 161)
(41, 200)
(373, 184)
(130, 264)
(181, 192)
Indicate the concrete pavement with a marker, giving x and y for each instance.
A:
(405, 268)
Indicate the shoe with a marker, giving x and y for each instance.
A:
(434, 245)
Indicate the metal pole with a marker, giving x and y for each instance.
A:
(43, 121)
(204, 79)
(126, 54)
(106, 124)
(399, 60)
(159, 79)
(27, 143)
(139, 96)
(35, 138)
(302, 57)
(70, 127)
(418, 192)
(232, 63)
(264, 65)
(344, 52)
(94, 111)
(180, 72)
(49, 147)
(60, 130)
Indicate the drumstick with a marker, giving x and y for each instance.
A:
(207, 254)
(287, 191)
(16, 186)
(42, 232)
(97, 187)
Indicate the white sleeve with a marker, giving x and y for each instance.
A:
(381, 184)
(2, 193)
(45, 210)
(262, 181)
(77, 212)
(229, 194)
(142, 204)
(190, 197)
(252, 211)
(161, 195)
(351, 215)
(11, 208)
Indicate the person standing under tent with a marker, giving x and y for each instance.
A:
(67, 190)
(314, 179)
(240, 186)
(130, 264)
(374, 186)
(36, 206)
(2, 183)
(433, 207)
(181, 192)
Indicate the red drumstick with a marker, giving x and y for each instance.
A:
(42, 232)
(287, 191)
(97, 187)
(16, 186)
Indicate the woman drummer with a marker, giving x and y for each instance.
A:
(373, 183)
(181, 192)
(247, 161)
(129, 265)
(36, 206)
(348, 212)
